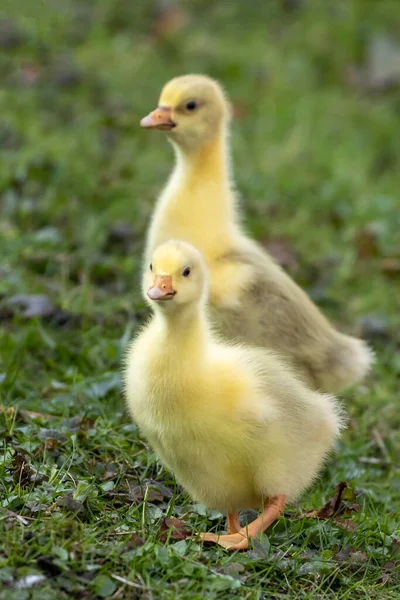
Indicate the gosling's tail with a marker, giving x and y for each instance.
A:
(349, 361)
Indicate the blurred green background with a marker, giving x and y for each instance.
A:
(315, 87)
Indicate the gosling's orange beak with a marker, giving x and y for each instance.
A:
(158, 119)
(162, 288)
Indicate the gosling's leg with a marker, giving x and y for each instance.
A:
(240, 540)
(233, 525)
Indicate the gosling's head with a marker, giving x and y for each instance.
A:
(176, 276)
(192, 110)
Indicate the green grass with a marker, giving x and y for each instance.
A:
(317, 164)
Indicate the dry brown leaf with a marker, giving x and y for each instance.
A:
(337, 505)
(22, 473)
(135, 541)
(153, 491)
(333, 505)
(173, 528)
(347, 524)
(358, 556)
(70, 504)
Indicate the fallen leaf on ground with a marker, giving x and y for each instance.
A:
(358, 557)
(70, 504)
(173, 528)
(347, 555)
(342, 554)
(339, 504)
(22, 473)
(154, 491)
(332, 506)
(135, 541)
(347, 524)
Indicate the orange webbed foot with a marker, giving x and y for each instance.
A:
(233, 541)
(239, 540)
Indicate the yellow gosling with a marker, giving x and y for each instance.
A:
(251, 298)
(234, 424)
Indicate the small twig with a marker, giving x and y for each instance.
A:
(36, 415)
(18, 517)
(26, 413)
(373, 461)
(144, 511)
(126, 582)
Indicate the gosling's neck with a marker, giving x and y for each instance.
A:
(206, 166)
(185, 329)
(198, 203)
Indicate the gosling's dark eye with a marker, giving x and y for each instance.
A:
(186, 272)
(191, 105)
(151, 266)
